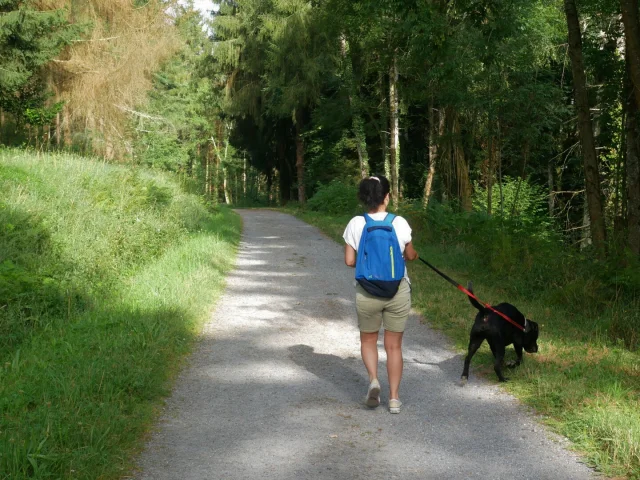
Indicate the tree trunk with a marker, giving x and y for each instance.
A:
(550, 184)
(66, 126)
(58, 131)
(244, 176)
(216, 180)
(591, 170)
(633, 175)
(284, 173)
(629, 10)
(490, 174)
(384, 127)
(300, 157)
(394, 148)
(499, 159)
(585, 238)
(462, 168)
(433, 151)
(207, 170)
(361, 143)
(225, 186)
(3, 134)
(525, 159)
(354, 104)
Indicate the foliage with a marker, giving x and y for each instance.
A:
(29, 39)
(519, 200)
(99, 262)
(335, 198)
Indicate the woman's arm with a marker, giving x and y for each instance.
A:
(410, 252)
(349, 256)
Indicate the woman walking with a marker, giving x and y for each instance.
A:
(383, 295)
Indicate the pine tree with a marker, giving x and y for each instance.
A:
(29, 39)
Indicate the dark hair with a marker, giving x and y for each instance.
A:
(373, 190)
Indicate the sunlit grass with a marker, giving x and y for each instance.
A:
(117, 270)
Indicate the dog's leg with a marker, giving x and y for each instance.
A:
(515, 363)
(498, 348)
(474, 345)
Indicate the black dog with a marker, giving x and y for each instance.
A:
(499, 334)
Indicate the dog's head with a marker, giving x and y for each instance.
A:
(530, 343)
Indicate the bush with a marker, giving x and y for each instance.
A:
(335, 198)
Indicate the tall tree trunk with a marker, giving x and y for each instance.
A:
(525, 159)
(499, 161)
(357, 121)
(490, 174)
(2, 126)
(66, 126)
(58, 130)
(227, 194)
(591, 170)
(550, 184)
(300, 157)
(207, 172)
(462, 168)
(384, 127)
(244, 176)
(225, 186)
(394, 147)
(284, 174)
(585, 238)
(361, 143)
(216, 180)
(433, 150)
(629, 10)
(633, 174)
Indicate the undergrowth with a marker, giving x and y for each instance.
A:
(585, 380)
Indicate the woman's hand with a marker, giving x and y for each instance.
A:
(410, 252)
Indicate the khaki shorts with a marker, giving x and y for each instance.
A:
(390, 313)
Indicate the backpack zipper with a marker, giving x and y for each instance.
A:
(393, 267)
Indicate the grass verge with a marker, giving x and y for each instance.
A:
(106, 276)
(584, 386)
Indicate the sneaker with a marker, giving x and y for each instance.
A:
(373, 394)
(394, 405)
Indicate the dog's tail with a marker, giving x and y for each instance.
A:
(473, 301)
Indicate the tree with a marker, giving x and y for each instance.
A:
(591, 168)
(629, 10)
(29, 40)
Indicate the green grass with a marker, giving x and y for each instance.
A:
(107, 274)
(585, 386)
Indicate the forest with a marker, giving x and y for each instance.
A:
(454, 101)
(521, 114)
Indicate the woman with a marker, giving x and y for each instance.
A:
(374, 312)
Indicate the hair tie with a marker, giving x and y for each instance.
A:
(374, 178)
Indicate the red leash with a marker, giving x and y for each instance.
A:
(464, 290)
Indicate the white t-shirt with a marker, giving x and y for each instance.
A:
(353, 232)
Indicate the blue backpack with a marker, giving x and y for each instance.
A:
(380, 264)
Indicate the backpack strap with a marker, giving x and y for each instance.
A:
(388, 220)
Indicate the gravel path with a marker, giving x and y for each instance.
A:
(275, 388)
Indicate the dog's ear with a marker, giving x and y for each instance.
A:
(528, 324)
(470, 286)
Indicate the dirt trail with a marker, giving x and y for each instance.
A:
(275, 387)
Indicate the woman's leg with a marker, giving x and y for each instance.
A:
(393, 347)
(369, 352)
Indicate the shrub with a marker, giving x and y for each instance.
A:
(335, 198)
